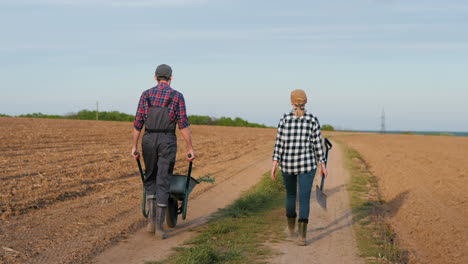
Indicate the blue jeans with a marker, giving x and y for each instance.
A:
(305, 187)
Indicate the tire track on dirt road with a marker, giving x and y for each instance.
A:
(330, 235)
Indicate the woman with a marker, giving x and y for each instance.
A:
(298, 146)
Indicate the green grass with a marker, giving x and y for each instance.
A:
(375, 238)
(238, 233)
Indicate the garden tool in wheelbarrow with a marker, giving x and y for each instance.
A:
(320, 195)
(181, 187)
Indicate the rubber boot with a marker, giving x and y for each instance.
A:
(160, 217)
(302, 227)
(291, 226)
(151, 205)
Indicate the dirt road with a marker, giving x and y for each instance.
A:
(330, 236)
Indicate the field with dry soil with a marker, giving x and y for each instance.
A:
(69, 188)
(424, 181)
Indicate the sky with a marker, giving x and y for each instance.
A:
(237, 58)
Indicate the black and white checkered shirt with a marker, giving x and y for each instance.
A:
(298, 143)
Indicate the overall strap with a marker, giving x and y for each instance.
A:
(171, 96)
(148, 100)
(169, 101)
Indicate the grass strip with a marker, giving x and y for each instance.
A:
(238, 233)
(375, 238)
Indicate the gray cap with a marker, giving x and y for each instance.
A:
(163, 70)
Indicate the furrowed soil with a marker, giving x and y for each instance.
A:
(424, 181)
(70, 189)
(71, 193)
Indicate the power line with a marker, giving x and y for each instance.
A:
(382, 122)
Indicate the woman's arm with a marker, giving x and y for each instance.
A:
(278, 143)
(278, 150)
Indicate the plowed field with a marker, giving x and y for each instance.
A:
(424, 181)
(69, 188)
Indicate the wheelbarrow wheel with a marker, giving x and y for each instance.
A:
(171, 214)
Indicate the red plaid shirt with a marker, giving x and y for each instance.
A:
(158, 95)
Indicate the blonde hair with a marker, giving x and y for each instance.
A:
(298, 99)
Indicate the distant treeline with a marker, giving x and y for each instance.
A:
(106, 116)
(222, 121)
(118, 116)
(86, 115)
(41, 115)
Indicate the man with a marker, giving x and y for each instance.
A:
(159, 109)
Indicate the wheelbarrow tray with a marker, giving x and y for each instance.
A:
(178, 183)
(179, 193)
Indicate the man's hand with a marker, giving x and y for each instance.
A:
(190, 155)
(273, 170)
(135, 153)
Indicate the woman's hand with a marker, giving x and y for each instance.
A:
(324, 170)
(273, 170)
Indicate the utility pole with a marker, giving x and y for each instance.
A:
(97, 110)
(382, 122)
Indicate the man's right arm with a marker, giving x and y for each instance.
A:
(184, 126)
(136, 136)
(188, 140)
(140, 119)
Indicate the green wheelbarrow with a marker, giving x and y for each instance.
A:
(181, 187)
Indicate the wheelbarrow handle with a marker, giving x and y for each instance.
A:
(186, 191)
(140, 168)
(143, 203)
(190, 165)
(188, 176)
